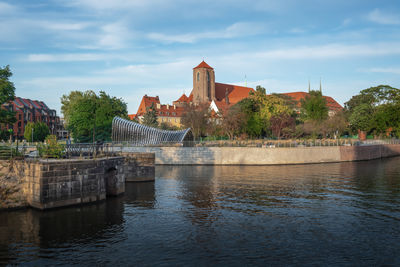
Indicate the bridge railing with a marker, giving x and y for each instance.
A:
(88, 150)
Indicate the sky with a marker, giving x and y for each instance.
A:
(129, 48)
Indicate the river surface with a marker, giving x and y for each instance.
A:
(319, 214)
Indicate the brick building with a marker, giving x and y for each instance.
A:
(28, 110)
(219, 96)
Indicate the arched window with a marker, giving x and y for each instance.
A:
(198, 76)
(208, 76)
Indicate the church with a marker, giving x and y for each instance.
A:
(219, 96)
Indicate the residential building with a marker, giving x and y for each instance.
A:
(27, 110)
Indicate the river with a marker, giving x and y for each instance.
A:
(317, 214)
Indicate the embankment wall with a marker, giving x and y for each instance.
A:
(264, 156)
(58, 183)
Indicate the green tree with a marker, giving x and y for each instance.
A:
(89, 117)
(313, 107)
(375, 109)
(150, 118)
(197, 119)
(362, 117)
(7, 93)
(40, 131)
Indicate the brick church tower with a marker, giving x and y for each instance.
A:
(203, 83)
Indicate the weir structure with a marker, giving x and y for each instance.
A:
(137, 134)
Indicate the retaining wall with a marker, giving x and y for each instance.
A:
(139, 167)
(264, 156)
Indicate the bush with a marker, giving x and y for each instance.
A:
(50, 149)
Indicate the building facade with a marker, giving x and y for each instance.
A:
(27, 110)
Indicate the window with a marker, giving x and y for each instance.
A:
(208, 76)
(19, 117)
(19, 124)
(198, 76)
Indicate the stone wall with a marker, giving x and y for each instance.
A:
(264, 156)
(139, 167)
(55, 183)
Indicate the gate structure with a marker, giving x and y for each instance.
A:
(138, 134)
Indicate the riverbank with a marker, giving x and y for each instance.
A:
(265, 155)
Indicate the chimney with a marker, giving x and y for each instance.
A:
(226, 96)
(174, 106)
(167, 106)
(158, 106)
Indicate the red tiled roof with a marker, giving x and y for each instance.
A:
(183, 98)
(203, 64)
(235, 92)
(223, 106)
(330, 102)
(146, 102)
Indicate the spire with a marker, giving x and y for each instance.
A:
(320, 85)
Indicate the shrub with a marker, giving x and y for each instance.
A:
(50, 149)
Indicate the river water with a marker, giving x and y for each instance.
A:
(319, 214)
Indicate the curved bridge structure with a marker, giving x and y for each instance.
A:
(128, 131)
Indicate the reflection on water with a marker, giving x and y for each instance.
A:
(298, 214)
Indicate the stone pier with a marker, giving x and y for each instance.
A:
(52, 183)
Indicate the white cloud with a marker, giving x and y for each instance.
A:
(239, 29)
(66, 57)
(385, 70)
(51, 25)
(107, 5)
(7, 9)
(383, 18)
(332, 51)
(114, 35)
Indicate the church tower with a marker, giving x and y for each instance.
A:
(203, 83)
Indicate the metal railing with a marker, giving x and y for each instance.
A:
(263, 143)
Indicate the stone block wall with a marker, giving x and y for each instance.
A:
(139, 167)
(55, 183)
(264, 156)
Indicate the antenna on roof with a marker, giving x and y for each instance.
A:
(309, 87)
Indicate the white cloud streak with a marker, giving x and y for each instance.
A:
(380, 17)
(238, 29)
(385, 70)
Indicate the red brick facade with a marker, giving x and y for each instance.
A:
(28, 110)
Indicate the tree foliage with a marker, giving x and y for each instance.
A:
(7, 93)
(375, 110)
(196, 118)
(40, 131)
(89, 116)
(313, 107)
(150, 118)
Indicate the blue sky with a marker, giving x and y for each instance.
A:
(129, 48)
